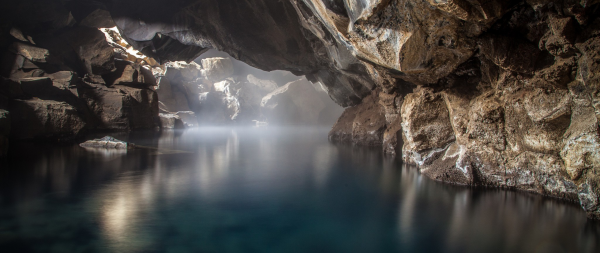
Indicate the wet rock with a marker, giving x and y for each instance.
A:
(425, 124)
(170, 121)
(106, 142)
(363, 124)
(44, 119)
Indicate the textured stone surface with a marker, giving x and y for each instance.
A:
(363, 124)
(44, 119)
(106, 142)
(121, 107)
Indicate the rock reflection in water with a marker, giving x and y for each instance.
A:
(257, 190)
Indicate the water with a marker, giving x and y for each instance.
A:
(262, 190)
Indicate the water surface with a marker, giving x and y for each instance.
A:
(262, 190)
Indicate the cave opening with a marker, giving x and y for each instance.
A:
(216, 89)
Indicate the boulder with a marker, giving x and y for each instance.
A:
(121, 107)
(106, 142)
(44, 119)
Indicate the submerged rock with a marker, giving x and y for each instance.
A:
(107, 142)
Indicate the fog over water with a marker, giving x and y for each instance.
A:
(262, 190)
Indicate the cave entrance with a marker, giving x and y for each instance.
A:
(217, 89)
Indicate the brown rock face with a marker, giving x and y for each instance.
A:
(521, 113)
(363, 124)
(121, 107)
(44, 119)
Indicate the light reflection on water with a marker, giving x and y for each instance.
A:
(262, 190)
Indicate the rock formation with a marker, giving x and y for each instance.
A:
(495, 93)
(107, 142)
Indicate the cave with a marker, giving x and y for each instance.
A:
(300, 125)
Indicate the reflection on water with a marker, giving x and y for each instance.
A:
(262, 190)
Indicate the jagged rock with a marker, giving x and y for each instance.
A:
(44, 119)
(81, 49)
(31, 53)
(170, 121)
(107, 142)
(4, 131)
(363, 124)
(18, 34)
(129, 73)
(121, 107)
(123, 50)
(294, 103)
(265, 86)
(217, 68)
(425, 124)
(510, 53)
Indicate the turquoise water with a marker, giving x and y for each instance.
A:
(262, 190)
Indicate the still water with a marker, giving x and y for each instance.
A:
(262, 190)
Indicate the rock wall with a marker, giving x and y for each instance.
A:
(520, 112)
(61, 77)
